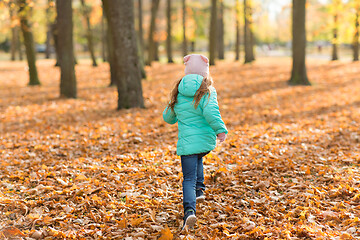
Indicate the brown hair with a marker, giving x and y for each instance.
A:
(203, 89)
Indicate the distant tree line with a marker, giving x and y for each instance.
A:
(127, 50)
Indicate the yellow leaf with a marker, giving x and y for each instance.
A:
(96, 198)
(356, 198)
(222, 169)
(303, 215)
(33, 216)
(166, 234)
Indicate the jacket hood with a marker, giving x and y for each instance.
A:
(190, 84)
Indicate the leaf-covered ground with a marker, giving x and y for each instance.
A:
(79, 169)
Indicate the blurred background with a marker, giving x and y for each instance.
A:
(270, 24)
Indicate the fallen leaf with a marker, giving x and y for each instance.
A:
(11, 232)
(166, 234)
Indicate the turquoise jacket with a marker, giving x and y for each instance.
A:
(197, 127)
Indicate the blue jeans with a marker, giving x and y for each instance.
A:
(193, 179)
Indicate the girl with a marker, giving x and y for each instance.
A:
(194, 106)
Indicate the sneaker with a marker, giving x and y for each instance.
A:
(200, 197)
(189, 219)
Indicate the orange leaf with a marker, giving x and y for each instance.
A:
(96, 198)
(166, 234)
(81, 177)
(11, 232)
(346, 236)
(47, 219)
(222, 169)
(122, 223)
(136, 221)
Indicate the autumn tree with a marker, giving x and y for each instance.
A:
(140, 27)
(121, 24)
(298, 73)
(103, 38)
(220, 32)
(89, 36)
(54, 33)
(15, 42)
(248, 33)
(141, 36)
(19, 44)
(14, 31)
(213, 30)
(356, 8)
(140, 39)
(49, 22)
(237, 31)
(336, 5)
(66, 48)
(152, 44)
(24, 12)
(168, 36)
(110, 44)
(184, 43)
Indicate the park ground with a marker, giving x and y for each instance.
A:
(80, 169)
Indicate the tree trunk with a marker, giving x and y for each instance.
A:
(29, 43)
(14, 33)
(252, 42)
(19, 45)
(103, 38)
(48, 42)
(152, 45)
(65, 43)
(89, 36)
(14, 39)
(298, 73)
(220, 33)
(237, 43)
(356, 37)
(111, 54)
(48, 31)
(248, 38)
(140, 40)
(156, 56)
(212, 35)
(184, 43)
(141, 62)
(192, 46)
(168, 37)
(122, 27)
(335, 39)
(110, 44)
(54, 33)
(141, 32)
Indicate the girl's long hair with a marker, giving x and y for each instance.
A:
(203, 89)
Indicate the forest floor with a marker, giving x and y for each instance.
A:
(79, 169)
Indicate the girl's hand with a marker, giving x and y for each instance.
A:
(221, 136)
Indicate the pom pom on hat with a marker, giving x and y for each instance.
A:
(196, 64)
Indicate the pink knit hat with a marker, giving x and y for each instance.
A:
(196, 64)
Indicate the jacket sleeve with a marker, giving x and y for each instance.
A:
(169, 116)
(211, 112)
